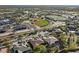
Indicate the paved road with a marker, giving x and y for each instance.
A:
(5, 34)
(9, 33)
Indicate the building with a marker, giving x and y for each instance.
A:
(35, 43)
(2, 30)
(58, 23)
(6, 22)
(4, 49)
(21, 49)
(19, 27)
(50, 40)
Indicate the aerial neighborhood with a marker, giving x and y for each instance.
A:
(39, 30)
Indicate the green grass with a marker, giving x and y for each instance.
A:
(40, 22)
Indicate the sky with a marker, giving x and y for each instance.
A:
(39, 2)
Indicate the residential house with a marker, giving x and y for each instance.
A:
(21, 49)
(35, 43)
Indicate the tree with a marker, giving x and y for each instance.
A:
(72, 41)
(69, 40)
(63, 38)
(40, 49)
(52, 49)
(20, 39)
